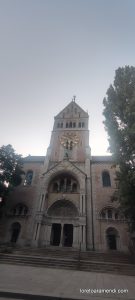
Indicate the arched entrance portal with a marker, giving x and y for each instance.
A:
(15, 231)
(112, 237)
(62, 231)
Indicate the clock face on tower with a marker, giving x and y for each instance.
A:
(68, 139)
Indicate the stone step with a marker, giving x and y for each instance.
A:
(85, 255)
(82, 265)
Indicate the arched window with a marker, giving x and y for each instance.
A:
(68, 185)
(103, 215)
(74, 187)
(64, 183)
(55, 187)
(62, 186)
(28, 178)
(106, 179)
(20, 210)
(110, 213)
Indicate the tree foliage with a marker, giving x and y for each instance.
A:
(119, 112)
(10, 170)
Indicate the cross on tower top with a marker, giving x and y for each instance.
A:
(74, 98)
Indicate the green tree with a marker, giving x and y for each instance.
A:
(119, 113)
(10, 171)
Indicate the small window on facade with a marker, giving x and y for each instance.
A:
(74, 188)
(61, 125)
(79, 125)
(70, 124)
(55, 187)
(106, 179)
(83, 125)
(20, 210)
(109, 212)
(68, 185)
(28, 178)
(62, 186)
(66, 125)
(116, 216)
(103, 214)
(58, 125)
(74, 124)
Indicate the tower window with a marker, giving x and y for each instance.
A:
(61, 125)
(70, 124)
(74, 124)
(79, 124)
(83, 124)
(106, 179)
(66, 125)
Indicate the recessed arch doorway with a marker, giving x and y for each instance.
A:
(15, 231)
(63, 214)
(112, 238)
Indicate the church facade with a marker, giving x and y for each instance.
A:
(64, 199)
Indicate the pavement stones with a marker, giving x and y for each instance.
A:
(26, 282)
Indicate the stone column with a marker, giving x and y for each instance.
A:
(48, 234)
(36, 234)
(75, 237)
(84, 237)
(80, 234)
(84, 205)
(61, 237)
(80, 204)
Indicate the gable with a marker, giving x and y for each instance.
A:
(72, 110)
(63, 166)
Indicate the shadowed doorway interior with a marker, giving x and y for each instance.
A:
(112, 238)
(68, 235)
(56, 234)
(15, 229)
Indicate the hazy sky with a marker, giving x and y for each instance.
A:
(51, 50)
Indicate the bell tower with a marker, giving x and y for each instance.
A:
(70, 135)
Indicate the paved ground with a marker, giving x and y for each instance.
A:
(63, 284)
